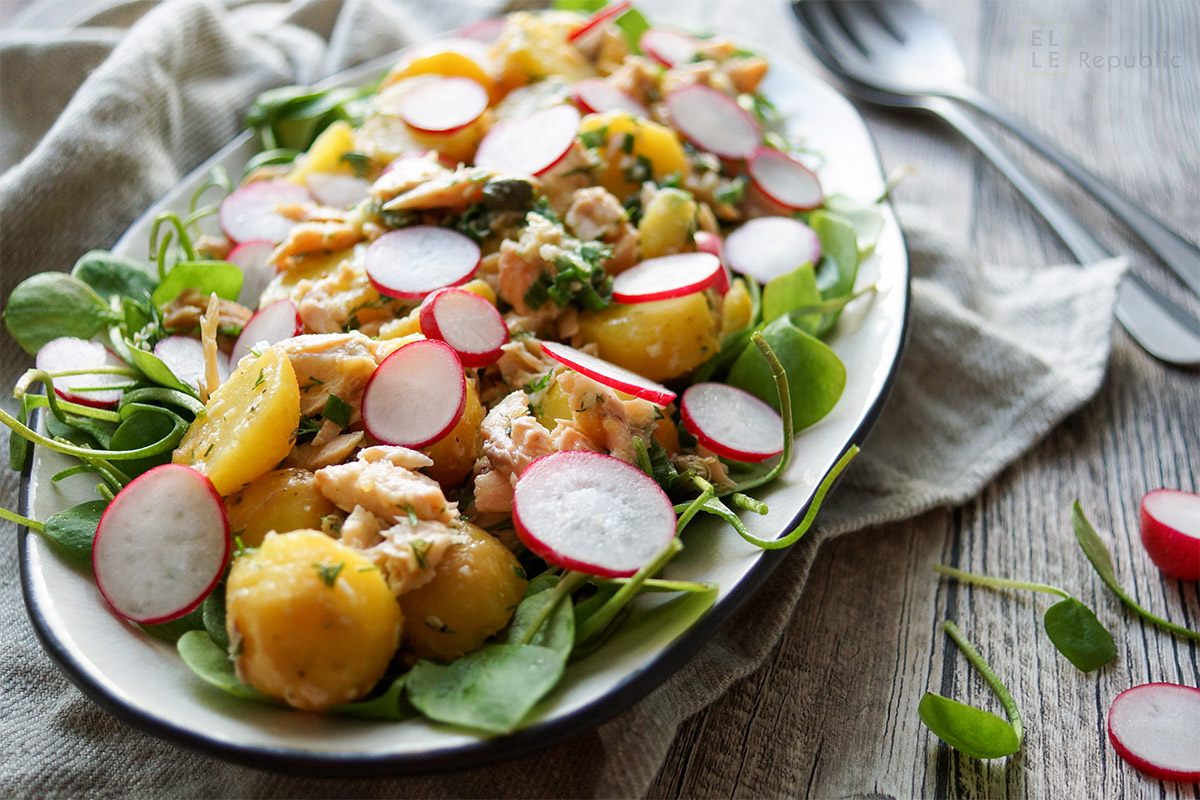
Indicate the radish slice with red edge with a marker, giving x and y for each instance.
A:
(582, 34)
(609, 374)
(713, 121)
(732, 423)
(784, 180)
(252, 211)
(184, 356)
(253, 258)
(592, 513)
(711, 243)
(596, 96)
(412, 262)
(667, 47)
(444, 105)
(483, 30)
(272, 324)
(156, 561)
(1170, 525)
(667, 276)
(66, 354)
(529, 145)
(337, 190)
(766, 247)
(1156, 729)
(416, 395)
(466, 322)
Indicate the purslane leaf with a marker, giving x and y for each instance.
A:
(1078, 635)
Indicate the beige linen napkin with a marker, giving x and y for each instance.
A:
(996, 357)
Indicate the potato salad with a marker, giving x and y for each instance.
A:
(424, 398)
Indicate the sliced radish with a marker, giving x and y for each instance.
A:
(711, 243)
(254, 259)
(415, 396)
(597, 21)
(1156, 728)
(184, 356)
(713, 121)
(444, 105)
(667, 47)
(609, 374)
(529, 145)
(667, 276)
(161, 545)
(466, 322)
(767, 247)
(272, 324)
(592, 513)
(336, 189)
(412, 262)
(483, 30)
(596, 96)
(67, 354)
(1170, 523)
(252, 212)
(732, 423)
(784, 180)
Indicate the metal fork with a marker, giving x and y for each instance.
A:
(1160, 326)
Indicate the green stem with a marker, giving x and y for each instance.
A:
(128, 372)
(1179, 630)
(785, 413)
(105, 492)
(749, 503)
(597, 622)
(997, 583)
(32, 524)
(84, 453)
(1010, 707)
(643, 456)
(565, 587)
(161, 394)
(660, 585)
(706, 493)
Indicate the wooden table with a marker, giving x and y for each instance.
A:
(833, 712)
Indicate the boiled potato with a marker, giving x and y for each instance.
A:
(312, 622)
(735, 308)
(473, 594)
(282, 500)
(658, 144)
(532, 46)
(668, 223)
(660, 340)
(459, 58)
(248, 425)
(455, 453)
(325, 154)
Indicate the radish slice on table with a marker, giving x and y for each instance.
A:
(1170, 523)
(444, 105)
(667, 47)
(415, 396)
(784, 180)
(592, 513)
(66, 354)
(155, 561)
(711, 243)
(713, 121)
(767, 247)
(337, 190)
(466, 322)
(609, 374)
(596, 96)
(272, 324)
(252, 211)
(732, 423)
(667, 276)
(483, 30)
(529, 145)
(253, 258)
(184, 356)
(1156, 728)
(583, 33)
(412, 262)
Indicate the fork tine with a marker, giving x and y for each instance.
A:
(865, 23)
(830, 32)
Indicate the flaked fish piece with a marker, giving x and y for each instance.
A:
(707, 466)
(512, 440)
(343, 297)
(396, 455)
(330, 364)
(596, 215)
(361, 529)
(407, 174)
(522, 361)
(605, 418)
(184, 312)
(521, 262)
(316, 455)
(453, 192)
(385, 488)
(408, 554)
(314, 238)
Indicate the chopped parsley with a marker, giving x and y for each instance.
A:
(595, 138)
(262, 376)
(420, 549)
(540, 383)
(732, 194)
(359, 162)
(329, 572)
(579, 277)
(337, 411)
